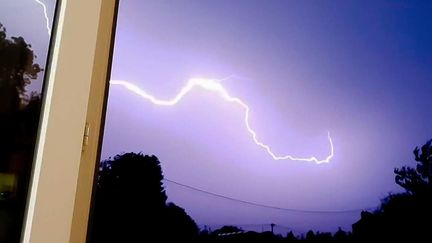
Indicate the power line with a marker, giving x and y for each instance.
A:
(264, 205)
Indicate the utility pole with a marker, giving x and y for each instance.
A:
(272, 226)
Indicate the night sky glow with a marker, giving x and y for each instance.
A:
(216, 86)
(359, 69)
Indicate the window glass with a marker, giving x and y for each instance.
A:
(25, 35)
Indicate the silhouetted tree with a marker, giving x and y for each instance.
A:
(19, 118)
(403, 216)
(17, 69)
(16, 72)
(130, 203)
(179, 223)
(310, 236)
(417, 180)
(340, 235)
(291, 237)
(323, 237)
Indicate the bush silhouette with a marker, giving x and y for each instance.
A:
(130, 203)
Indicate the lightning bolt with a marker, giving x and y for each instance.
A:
(46, 16)
(215, 86)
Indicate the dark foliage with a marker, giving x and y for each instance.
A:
(403, 216)
(19, 119)
(131, 206)
(130, 203)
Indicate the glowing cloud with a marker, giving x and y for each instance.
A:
(216, 86)
(46, 16)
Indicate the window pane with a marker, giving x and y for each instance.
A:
(25, 35)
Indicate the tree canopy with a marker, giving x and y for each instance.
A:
(404, 215)
(17, 70)
(131, 203)
(19, 119)
(417, 180)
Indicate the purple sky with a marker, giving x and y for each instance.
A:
(360, 70)
(26, 18)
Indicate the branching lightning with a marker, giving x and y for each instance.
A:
(215, 86)
(46, 16)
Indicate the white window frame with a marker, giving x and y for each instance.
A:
(61, 184)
